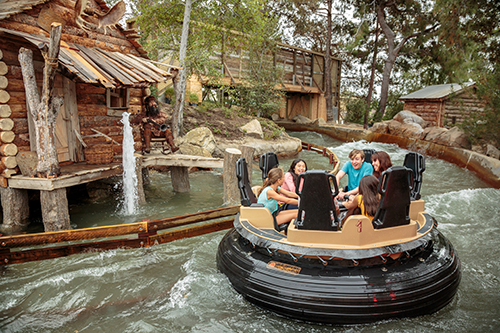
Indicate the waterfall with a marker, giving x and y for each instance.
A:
(130, 197)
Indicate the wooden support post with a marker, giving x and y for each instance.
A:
(180, 179)
(145, 176)
(15, 210)
(247, 153)
(55, 212)
(141, 197)
(230, 181)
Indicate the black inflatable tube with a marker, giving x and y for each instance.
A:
(337, 293)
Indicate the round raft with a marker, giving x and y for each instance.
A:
(399, 265)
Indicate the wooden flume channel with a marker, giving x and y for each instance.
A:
(48, 245)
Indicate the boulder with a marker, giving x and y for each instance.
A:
(478, 149)
(319, 122)
(285, 145)
(275, 117)
(300, 119)
(382, 127)
(411, 130)
(454, 137)
(492, 151)
(201, 137)
(431, 133)
(408, 117)
(190, 149)
(253, 129)
(394, 127)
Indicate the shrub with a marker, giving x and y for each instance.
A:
(356, 108)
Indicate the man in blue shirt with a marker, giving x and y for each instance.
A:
(356, 168)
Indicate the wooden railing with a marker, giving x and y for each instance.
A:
(334, 160)
(24, 248)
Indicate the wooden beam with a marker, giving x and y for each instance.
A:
(30, 183)
(183, 161)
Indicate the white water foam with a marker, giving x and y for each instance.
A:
(130, 196)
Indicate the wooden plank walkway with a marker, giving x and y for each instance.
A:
(80, 173)
(155, 159)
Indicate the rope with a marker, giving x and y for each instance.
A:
(53, 62)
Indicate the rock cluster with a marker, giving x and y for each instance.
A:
(409, 125)
(201, 142)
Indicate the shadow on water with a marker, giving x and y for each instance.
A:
(176, 287)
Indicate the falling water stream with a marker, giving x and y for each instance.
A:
(176, 287)
(129, 175)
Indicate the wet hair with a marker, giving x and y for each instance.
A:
(355, 152)
(368, 189)
(292, 169)
(385, 162)
(273, 176)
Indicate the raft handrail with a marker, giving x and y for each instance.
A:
(146, 231)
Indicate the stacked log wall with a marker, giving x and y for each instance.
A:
(458, 108)
(428, 110)
(93, 114)
(447, 111)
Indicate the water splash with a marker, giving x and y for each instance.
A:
(130, 197)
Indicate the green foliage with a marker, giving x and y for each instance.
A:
(170, 93)
(484, 127)
(192, 98)
(227, 112)
(154, 91)
(271, 130)
(394, 105)
(356, 108)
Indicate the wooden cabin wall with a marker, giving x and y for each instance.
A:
(94, 114)
(312, 106)
(457, 108)
(446, 112)
(430, 111)
(31, 21)
(14, 130)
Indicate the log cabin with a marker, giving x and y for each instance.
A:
(444, 105)
(101, 72)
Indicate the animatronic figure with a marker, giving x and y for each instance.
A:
(153, 125)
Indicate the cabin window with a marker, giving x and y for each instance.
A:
(117, 98)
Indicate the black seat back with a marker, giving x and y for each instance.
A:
(394, 207)
(316, 205)
(415, 162)
(368, 155)
(267, 162)
(246, 193)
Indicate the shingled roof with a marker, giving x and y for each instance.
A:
(88, 63)
(437, 92)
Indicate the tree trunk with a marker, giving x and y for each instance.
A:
(389, 63)
(180, 179)
(180, 87)
(229, 180)
(15, 210)
(372, 78)
(328, 66)
(44, 108)
(55, 211)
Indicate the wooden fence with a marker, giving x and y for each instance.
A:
(33, 247)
